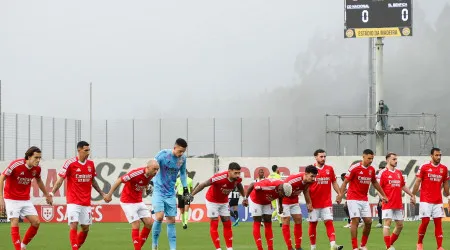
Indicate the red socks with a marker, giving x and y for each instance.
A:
(213, 225)
(438, 231)
(269, 234)
(312, 230)
(423, 229)
(228, 233)
(298, 235)
(144, 235)
(354, 243)
(364, 239)
(29, 235)
(387, 241)
(15, 236)
(73, 239)
(257, 234)
(394, 237)
(287, 235)
(81, 238)
(330, 230)
(135, 239)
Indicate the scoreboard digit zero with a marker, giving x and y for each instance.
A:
(378, 18)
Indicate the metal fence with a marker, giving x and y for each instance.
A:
(227, 137)
(57, 137)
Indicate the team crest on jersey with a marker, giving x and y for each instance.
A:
(442, 170)
(47, 213)
(33, 173)
(327, 171)
(180, 162)
(370, 172)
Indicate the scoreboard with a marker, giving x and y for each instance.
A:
(378, 18)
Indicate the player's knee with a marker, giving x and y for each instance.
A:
(35, 223)
(14, 222)
(399, 226)
(85, 228)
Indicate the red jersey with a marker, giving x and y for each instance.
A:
(296, 181)
(392, 183)
(320, 190)
(18, 180)
(265, 191)
(135, 182)
(432, 179)
(359, 178)
(220, 188)
(79, 181)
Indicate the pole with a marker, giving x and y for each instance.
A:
(370, 105)
(90, 113)
(379, 94)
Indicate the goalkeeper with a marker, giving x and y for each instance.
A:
(171, 162)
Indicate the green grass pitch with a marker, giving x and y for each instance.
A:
(116, 236)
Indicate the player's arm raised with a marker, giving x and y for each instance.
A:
(41, 186)
(108, 196)
(2, 201)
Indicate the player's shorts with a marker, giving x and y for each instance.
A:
(181, 202)
(393, 214)
(135, 211)
(324, 214)
(291, 209)
(233, 202)
(214, 210)
(80, 214)
(431, 210)
(19, 208)
(359, 209)
(168, 205)
(259, 210)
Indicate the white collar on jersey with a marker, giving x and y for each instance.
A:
(432, 164)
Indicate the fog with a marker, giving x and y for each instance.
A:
(202, 59)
